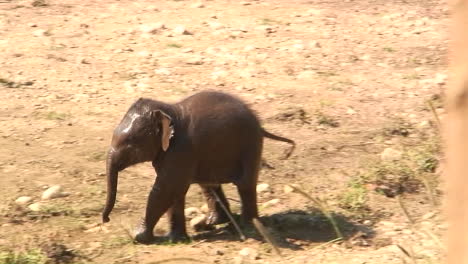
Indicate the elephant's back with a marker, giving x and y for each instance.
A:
(223, 130)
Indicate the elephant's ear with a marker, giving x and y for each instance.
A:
(167, 130)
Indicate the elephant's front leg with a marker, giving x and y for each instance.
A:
(176, 215)
(162, 196)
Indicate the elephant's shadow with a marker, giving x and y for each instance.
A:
(292, 228)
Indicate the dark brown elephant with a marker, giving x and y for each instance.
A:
(209, 138)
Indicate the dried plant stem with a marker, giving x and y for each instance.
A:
(177, 259)
(262, 230)
(430, 189)
(241, 234)
(436, 116)
(405, 210)
(407, 253)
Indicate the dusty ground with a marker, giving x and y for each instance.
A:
(345, 79)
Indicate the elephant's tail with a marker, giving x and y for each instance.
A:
(283, 139)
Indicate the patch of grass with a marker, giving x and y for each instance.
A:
(7, 83)
(415, 169)
(28, 257)
(56, 116)
(389, 49)
(97, 156)
(397, 127)
(269, 21)
(413, 76)
(355, 197)
(326, 120)
(52, 115)
(174, 45)
(327, 73)
(118, 242)
(57, 210)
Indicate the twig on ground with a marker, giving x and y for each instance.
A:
(262, 230)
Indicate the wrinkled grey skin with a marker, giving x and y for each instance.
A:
(210, 138)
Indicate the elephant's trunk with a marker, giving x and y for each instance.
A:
(112, 179)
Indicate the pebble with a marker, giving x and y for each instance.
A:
(204, 208)
(52, 192)
(288, 189)
(390, 154)
(263, 187)
(215, 25)
(198, 5)
(195, 61)
(36, 207)
(180, 30)
(306, 75)
(271, 202)
(249, 253)
(152, 28)
(350, 111)
(23, 200)
(198, 223)
(440, 78)
(41, 33)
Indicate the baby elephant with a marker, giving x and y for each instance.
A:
(209, 138)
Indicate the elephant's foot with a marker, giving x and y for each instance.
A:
(144, 237)
(176, 237)
(215, 218)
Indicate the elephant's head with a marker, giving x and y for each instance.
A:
(139, 137)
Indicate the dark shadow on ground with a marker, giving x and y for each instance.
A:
(294, 228)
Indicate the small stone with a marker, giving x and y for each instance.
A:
(198, 5)
(249, 48)
(428, 215)
(192, 212)
(288, 189)
(298, 46)
(36, 207)
(219, 74)
(32, 25)
(367, 222)
(23, 200)
(245, 3)
(440, 78)
(52, 192)
(249, 253)
(313, 12)
(205, 209)
(195, 61)
(41, 33)
(306, 75)
(144, 54)
(315, 44)
(263, 187)
(198, 223)
(152, 28)
(163, 71)
(218, 252)
(424, 124)
(180, 30)
(271, 202)
(390, 154)
(350, 111)
(187, 50)
(215, 25)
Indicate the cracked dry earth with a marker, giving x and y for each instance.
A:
(332, 75)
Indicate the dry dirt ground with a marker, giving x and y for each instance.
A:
(349, 81)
